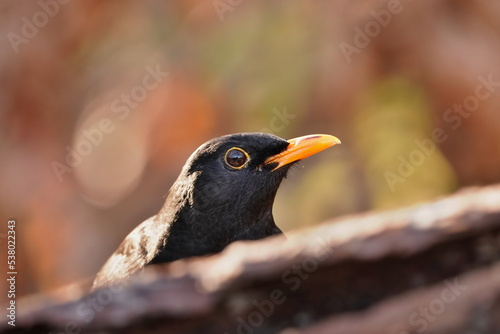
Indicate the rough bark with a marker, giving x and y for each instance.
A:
(432, 268)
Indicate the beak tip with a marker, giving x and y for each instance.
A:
(333, 140)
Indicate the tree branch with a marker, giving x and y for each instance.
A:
(433, 267)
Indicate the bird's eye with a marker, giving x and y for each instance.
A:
(236, 158)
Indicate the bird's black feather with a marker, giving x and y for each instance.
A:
(209, 206)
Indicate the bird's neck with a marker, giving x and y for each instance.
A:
(195, 226)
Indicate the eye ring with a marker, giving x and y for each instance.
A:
(236, 162)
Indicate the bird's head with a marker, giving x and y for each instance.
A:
(229, 183)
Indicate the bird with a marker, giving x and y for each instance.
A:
(224, 193)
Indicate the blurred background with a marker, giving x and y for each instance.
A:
(101, 103)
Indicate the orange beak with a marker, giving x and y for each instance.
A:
(301, 148)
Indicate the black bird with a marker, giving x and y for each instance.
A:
(224, 193)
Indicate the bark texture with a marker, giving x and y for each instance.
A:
(432, 268)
